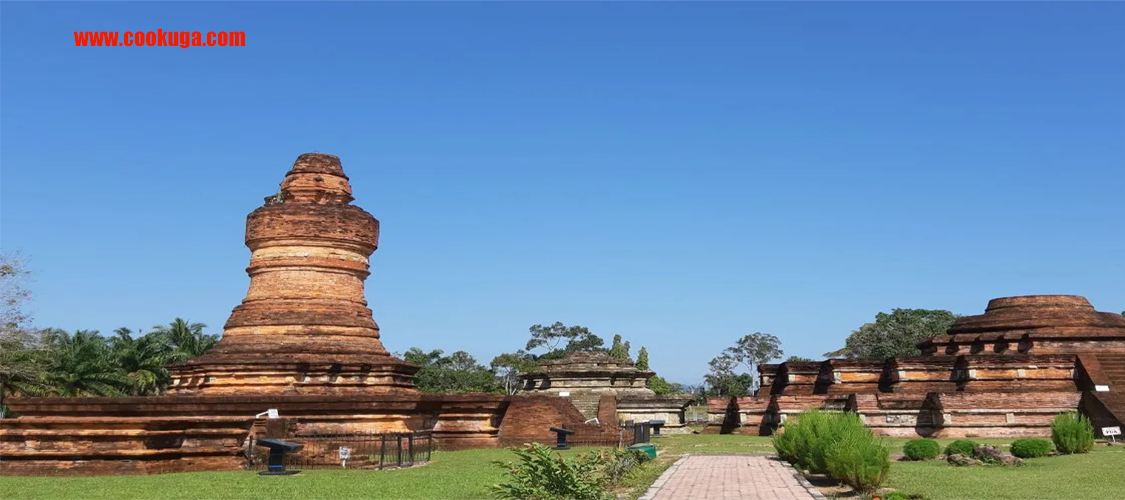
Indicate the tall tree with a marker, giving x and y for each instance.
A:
(722, 380)
(22, 348)
(551, 339)
(458, 372)
(897, 333)
(82, 364)
(755, 349)
(187, 340)
(509, 366)
(618, 350)
(142, 361)
(642, 359)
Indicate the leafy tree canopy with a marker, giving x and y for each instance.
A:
(896, 333)
(662, 387)
(509, 366)
(456, 373)
(559, 340)
(749, 351)
(798, 359)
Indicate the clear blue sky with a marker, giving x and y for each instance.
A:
(680, 174)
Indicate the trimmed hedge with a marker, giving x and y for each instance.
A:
(961, 447)
(1072, 433)
(921, 449)
(1031, 448)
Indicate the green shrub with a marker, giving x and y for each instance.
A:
(961, 447)
(786, 445)
(1072, 433)
(619, 463)
(803, 442)
(835, 443)
(541, 475)
(921, 449)
(1031, 448)
(859, 461)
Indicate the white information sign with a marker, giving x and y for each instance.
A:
(272, 413)
(564, 394)
(1111, 431)
(1101, 388)
(345, 452)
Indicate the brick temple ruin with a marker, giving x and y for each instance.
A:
(586, 378)
(302, 342)
(1005, 373)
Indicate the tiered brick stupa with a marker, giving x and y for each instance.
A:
(1035, 324)
(304, 326)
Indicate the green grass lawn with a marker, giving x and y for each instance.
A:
(468, 474)
(1096, 475)
(451, 475)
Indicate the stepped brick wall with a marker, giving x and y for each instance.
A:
(91, 446)
(847, 376)
(1004, 373)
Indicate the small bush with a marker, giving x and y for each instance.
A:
(861, 462)
(921, 449)
(786, 445)
(838, 444)
(1031, 448)
(803, 442)
(1072, 433)
(540, 475)
(619, 463)
(961, 447)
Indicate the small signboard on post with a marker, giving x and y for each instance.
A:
(270, 413)
(345, 453)
(1111, 432)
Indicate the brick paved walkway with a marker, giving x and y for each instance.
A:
(730, 477)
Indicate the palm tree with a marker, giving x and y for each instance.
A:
(187, 340)
(142, 361)
(82, 365)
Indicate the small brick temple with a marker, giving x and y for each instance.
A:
(586, 377)
(1005, 373)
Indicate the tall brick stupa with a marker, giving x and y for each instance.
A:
(304, 326)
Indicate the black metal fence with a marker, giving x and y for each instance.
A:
(350, 451)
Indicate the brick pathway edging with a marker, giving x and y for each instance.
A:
(804, 482)
(652, 489)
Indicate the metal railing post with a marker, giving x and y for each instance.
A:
(382, 450)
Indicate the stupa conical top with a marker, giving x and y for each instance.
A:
(304, 325)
